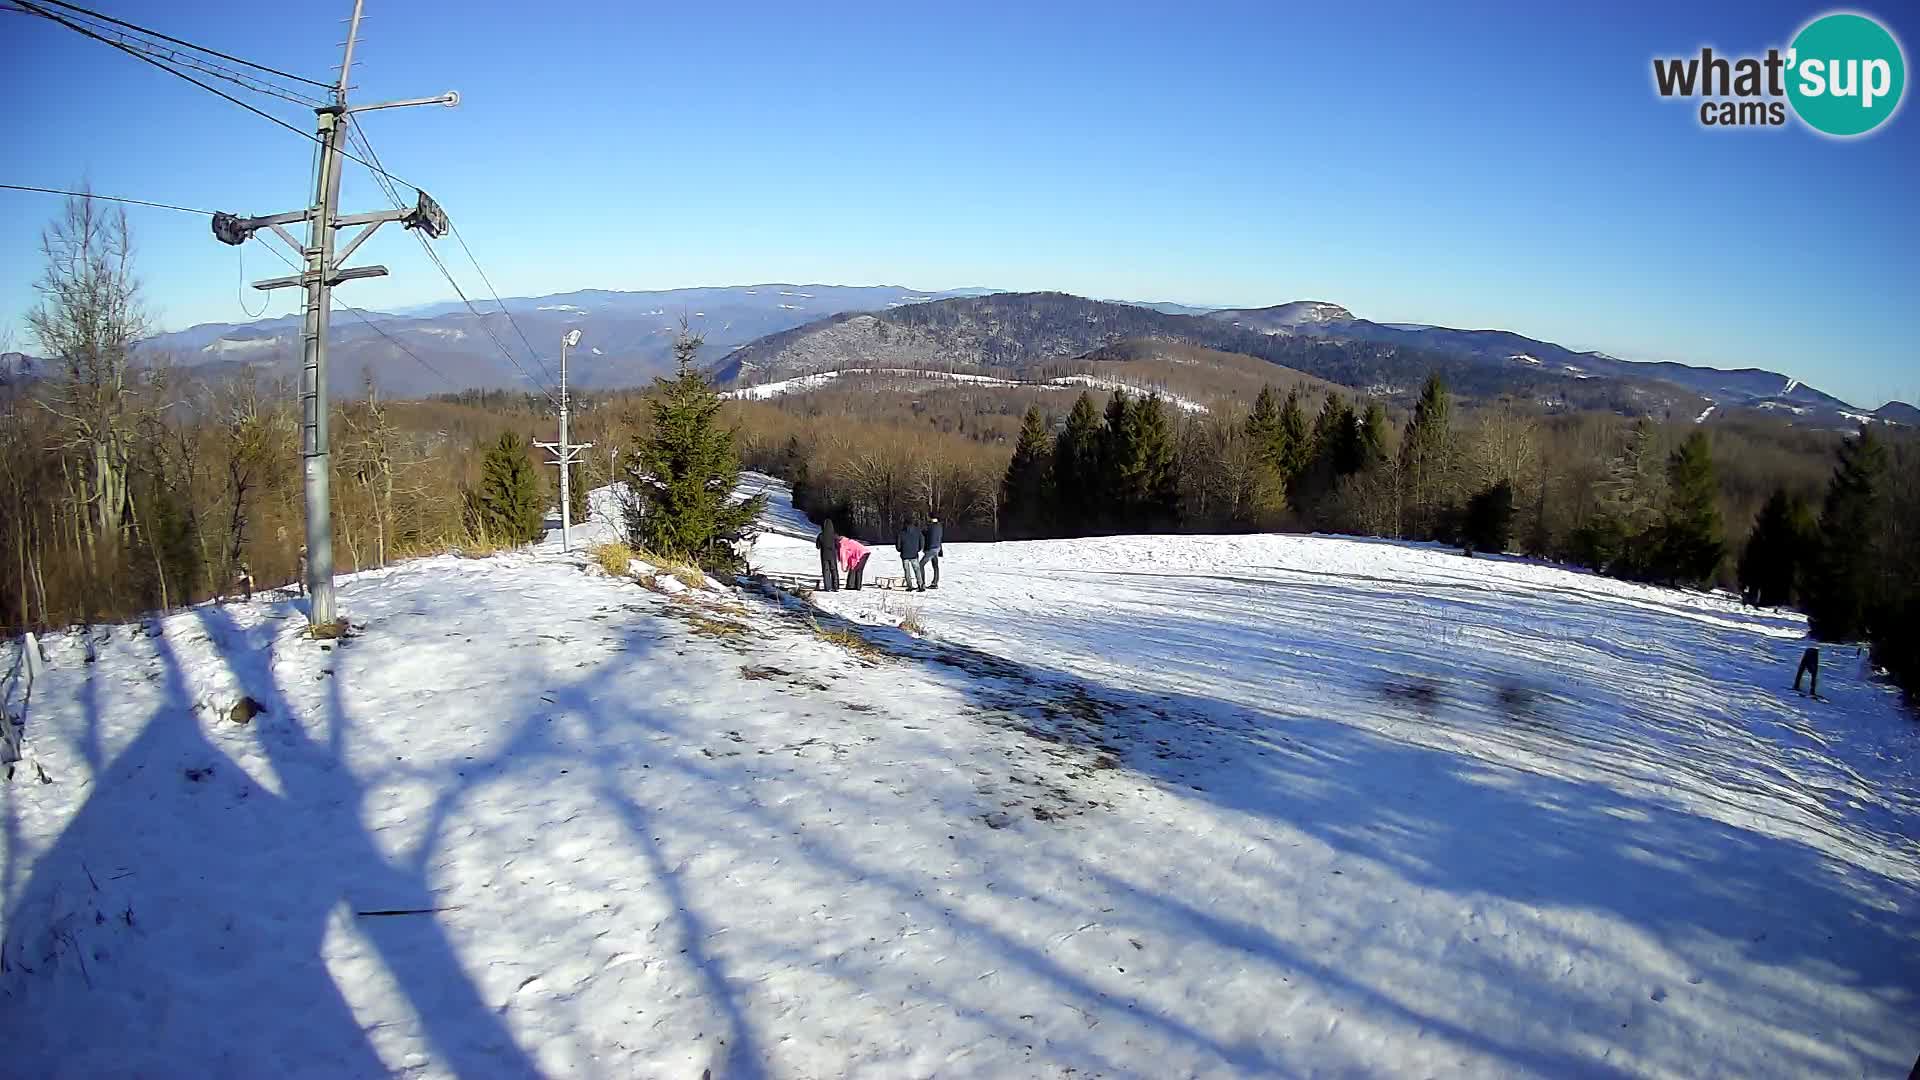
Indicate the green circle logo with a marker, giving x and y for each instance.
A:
(1845, 74)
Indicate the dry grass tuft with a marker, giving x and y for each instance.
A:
(688, 574)
(850, 640)
(713, 628)
(615, 558)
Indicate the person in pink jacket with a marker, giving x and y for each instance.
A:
(853, 558)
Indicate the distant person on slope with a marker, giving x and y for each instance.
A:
(910, 544)
(931, 557)
(828, 542)
(853, 559)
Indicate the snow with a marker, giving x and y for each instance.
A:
(562, 307)
(1702, 418)
(1797, 410)
(1523, 358)
(240, 345)
(1173, 806)
(1178, 402)
(452, 333)
(803, 383)
(1792, 384)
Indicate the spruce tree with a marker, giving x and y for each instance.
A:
(1777, 551)
(1076, 470)
(508, 506)
(1263, 424)
(1268, 438)
(1426, 458)
(1026, 492)
(1489, 519)
(1839, 593)
(1120, 465)
(1156, 497)
(682, 478)
(1373, 435)
(1337, 450)
(1296, 441)
(1691, 545)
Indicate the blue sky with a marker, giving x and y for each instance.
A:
(1488, 167)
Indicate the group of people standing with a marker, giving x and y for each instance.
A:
(919, 548)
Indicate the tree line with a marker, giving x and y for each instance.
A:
(127, 486)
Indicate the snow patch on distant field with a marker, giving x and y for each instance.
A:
(1523, 358)
(1702, 418)
(1178, 402)
(451, 333)
(240, 345)
(804, 383)
(562, 307)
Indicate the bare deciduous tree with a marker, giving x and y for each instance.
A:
(87, 320)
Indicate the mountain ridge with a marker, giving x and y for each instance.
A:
(629, 334)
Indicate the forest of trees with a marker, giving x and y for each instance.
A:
(126, 485)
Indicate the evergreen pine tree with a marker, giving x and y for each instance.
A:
(1120, 465)
(1426, 458)
(1156, 496)
(1076, 470)
(1337, 450)
(1777, 551)
(1026, 492)
(1691, 545)
(1373, 435)
(1489, 519)
(1295, 444)
(683, 477)
(1839, 594)
(507, 507)
(1263, 424)
(1268, 438)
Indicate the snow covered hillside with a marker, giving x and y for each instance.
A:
(1145, 807)
(907, 378)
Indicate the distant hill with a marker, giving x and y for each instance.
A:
(628, 336)
(19, 367)
(1025, 332)
(759, 333)
(1898, 412)
(1283, 317)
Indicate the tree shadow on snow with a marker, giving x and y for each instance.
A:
(1727, 901)
(181, 877)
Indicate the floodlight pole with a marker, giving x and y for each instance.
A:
(321, 272)
(564, 450)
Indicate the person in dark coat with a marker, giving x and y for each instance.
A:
(910, 544)
(931, 557)
(829, 544)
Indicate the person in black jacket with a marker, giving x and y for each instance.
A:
(910, 544)
(931, 557)
(829, 544)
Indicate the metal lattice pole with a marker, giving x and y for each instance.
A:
(321, 271)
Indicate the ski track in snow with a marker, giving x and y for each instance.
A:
(1174, 806)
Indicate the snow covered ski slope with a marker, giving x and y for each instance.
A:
(1131, 807)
